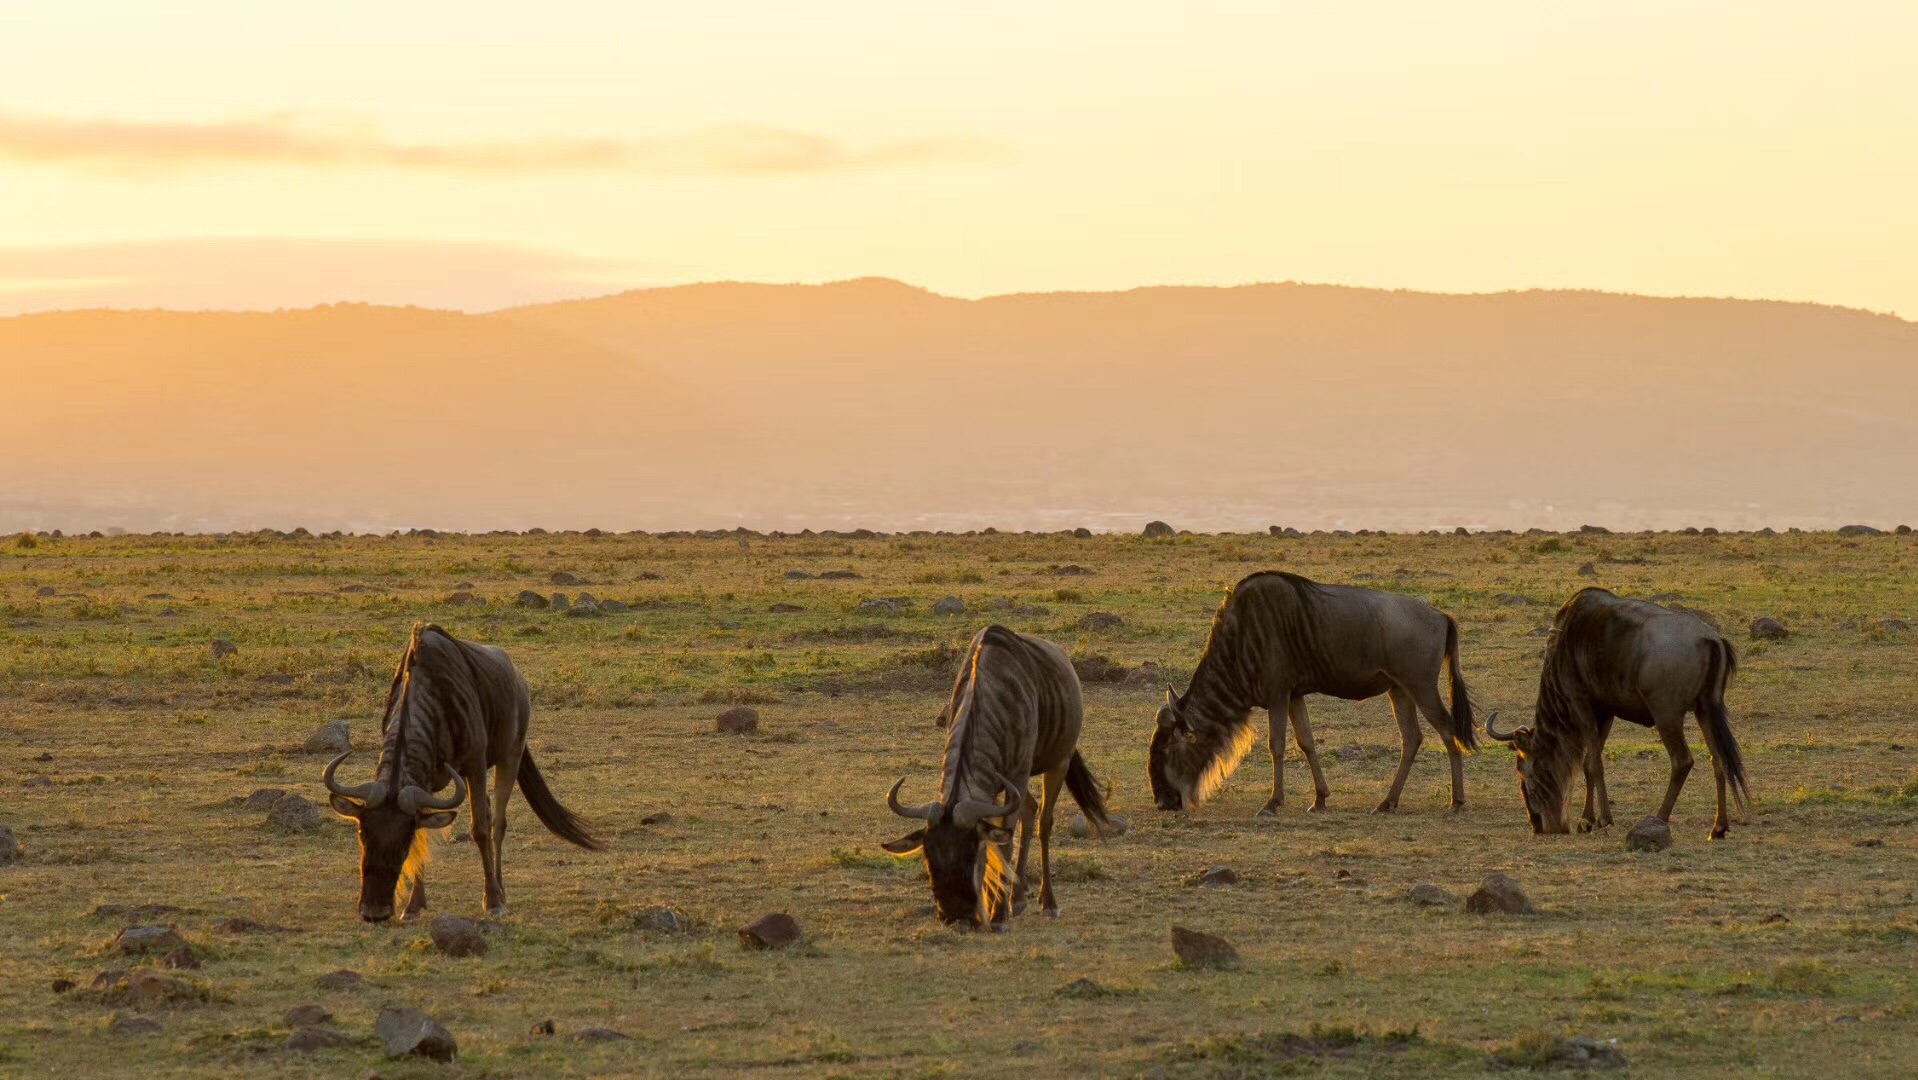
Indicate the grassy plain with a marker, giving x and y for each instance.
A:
(1790, 949)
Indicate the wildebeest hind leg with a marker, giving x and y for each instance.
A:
(1598, 802)
(1671, 731)
(1302, 732)
(482, 819)
(1721, 823)
(1275, 741)
(505, 775)
(1406, 712)
(1053, 781)
(1437, 715)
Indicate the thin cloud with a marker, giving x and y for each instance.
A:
(287, 139)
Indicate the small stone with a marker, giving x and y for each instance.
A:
(141, 940)
(563, 578)
(797, 575)
(1080, 828)
(1198, 950)
(1650, 834)
(881, 606)
(1427, 894)
(614, 607)
(657, 817)
(530, 599)
(61, 986)
(329, 738)
(586, 606)
(183, 958)
(133, 1025)
(43, 757)
(545, 1027)
(1890, 624)
(598, 1034)
(309, 1040)
(455, 936)
(1082, 987)
(1768, 629)
(1082, 533)
(772, 931)
(340, 980)
(839, 575)
(149, 989)
(1587, 570)
(46, 590)
(950, 605)
(294, 814)
(559, 602)
(1216, 876)
(1587, 1053)
(784, 609)
(1499, 894)
(1859, 530)
(410, 1032)
(234, 924)
(1869, 841)
(262, 798)
(222, 648)
(1073, 570)
(305, 1016)
(462, 599)
(10, 849)
(739, 720)
(37, 781)
(1100, 620)
(662, 920)
(1158, 529)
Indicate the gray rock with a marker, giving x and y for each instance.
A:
(141, 940)
(563, 578)
(1116, 825)
(1073, 570)
(133, 1025)
(950, 605)
(1859, 530)
(340, 980)
(598, 1034)
(462, 599)
(614, 607)
(586, 605)
(1148, 675)
(309, 1040)
(1768, 629)
(658, 817)
(662, 920)
(559, 602)
(455, 936)
(330, 738)
(1158, 528)
(412, 1033)
(10, 849)
(840, 575)
(530, 599)
(1216, 876)
(1082, 533)
(1427, 894)
(1587, 570)
(222, 648)
(771, 931)
(1650, 834)
(881, 606)
(1100, 620)
(300, 1016)
(46, 590)
(262, 798)
(183, 958)
(1198, 950)
(738, 720)
(294, 814)
(149, 989)
(1499, 894)
(1890, 624)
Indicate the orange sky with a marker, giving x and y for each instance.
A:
(228, 154)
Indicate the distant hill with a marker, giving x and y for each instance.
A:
(875, 403)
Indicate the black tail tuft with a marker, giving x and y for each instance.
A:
(1464, 729)
(1085, 792)
(562, 822)
(1715, 721)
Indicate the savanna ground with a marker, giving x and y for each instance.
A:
(1788, 949)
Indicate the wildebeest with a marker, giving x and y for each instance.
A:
(1278, 637)
(1015, 713)
(454, 709)
(1613, 658)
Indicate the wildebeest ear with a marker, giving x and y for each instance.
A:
(346, 807)
(945, 716)
(906, 844)
(438, 819)
(999, 835)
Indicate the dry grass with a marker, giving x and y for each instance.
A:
(1788, 948)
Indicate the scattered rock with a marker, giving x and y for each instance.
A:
(738, 720)
(141, 940)
(294, 814)
(410, 1032)
(950, 605)
(797, 575)
(1197, 950)
(1768, 629)
(1158, 528)
(183, 958)
(262, 798)
(1869, 841)
(43, 757)
(37, 781)
(1082, 533)
(305, 1016)
(1427, 894)
(148, 989)
(455, 936)
(462, 599)
(1116, 825)
(1100, 620)
(658, 817)
(839, 575)
(787, 609)
(880, 606)
(530, 599)
(133, 1025)
(340, 980)
(1072, 570)
(559, 602)
(10, 849)
(1499, 894)
(545, 1027)
(234, 924)
(1890, 624)
(1082, 987)
(1147, 674)
(1776, 918)
(308, 1040)
(598, 1034)
(61, 986)
(1650, 834)
(564, 578)
(614, 607)
(46, 590)
(772, 931)
(1859, 530)
(1216, 876)
(1587, 570)
(586, 605)
(330, 738)
(222, 648)
(662, 920)
(1098, 669)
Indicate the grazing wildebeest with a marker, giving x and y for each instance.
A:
(1015, 713)
(454, 709)
(1613, 658)
(1278, 637)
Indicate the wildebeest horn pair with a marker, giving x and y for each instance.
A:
(968, 813)
(412, 800)
(370, 794)
(1494, 733)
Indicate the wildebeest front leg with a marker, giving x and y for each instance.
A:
(1598, 802)
(1405, 710)
(1275, 741)
(417, 902)
(1302, 732)
(1053, 781)
(1028, 813)
(482, 824)
(505, 776)
(1671, 731)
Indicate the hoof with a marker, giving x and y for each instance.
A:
(1268, 810)
(496, 911)
(1584, 826)
(1385, 807)
(1050, 913)
(1720, 833)
(1318, 806)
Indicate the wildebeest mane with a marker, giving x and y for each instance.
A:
(418, 722)
(963, 709)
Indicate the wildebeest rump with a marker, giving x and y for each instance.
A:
(1015, 713)
(1278, 637)
(1613, 658)
(454, 709)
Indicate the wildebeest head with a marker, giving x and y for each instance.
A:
(392, 845)
(1173, 762)
(964, 853)
(1541, 778)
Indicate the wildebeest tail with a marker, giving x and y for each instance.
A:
(562, 822)
(1085, 791)
(1464, 729)
(1716, 722)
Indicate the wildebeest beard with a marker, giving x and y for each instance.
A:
(971, 880)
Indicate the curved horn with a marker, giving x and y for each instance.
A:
(371, 794)
(928, 812)
(972, 811)
(414, 798)
(1494, 732)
